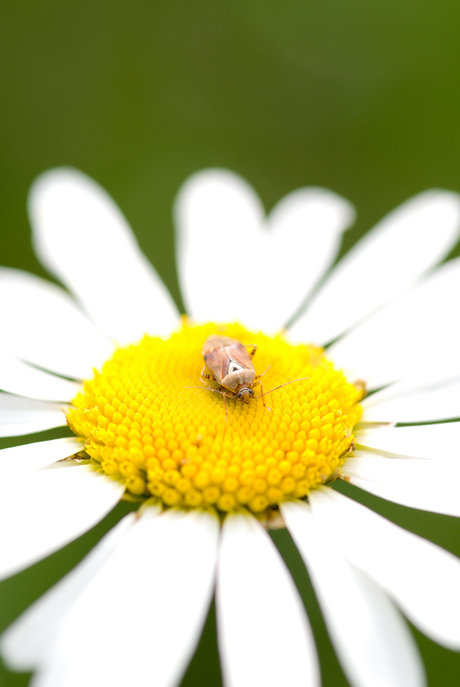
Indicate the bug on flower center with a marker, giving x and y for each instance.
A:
(229, 363)
(143, 426)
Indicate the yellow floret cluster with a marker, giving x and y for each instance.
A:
(149, 422)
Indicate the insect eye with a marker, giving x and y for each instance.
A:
(239, 394)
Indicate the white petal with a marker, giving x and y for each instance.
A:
(25, 643)
(81, 236)
(23, 459)
(43, 325)
(263, 633)
(422, 578)
(22, 379)
(410, 337)
(19, 416)
(219, 230)
(51, 508)
(398, 403)
(144, 609)
(235, 264)
(425, 484)
(385, 263)
(437, 442)
(372, 641)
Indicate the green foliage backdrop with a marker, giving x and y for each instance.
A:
(357, 96)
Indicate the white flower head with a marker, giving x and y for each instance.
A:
(214, 465)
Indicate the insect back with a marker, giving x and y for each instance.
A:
(229, 363)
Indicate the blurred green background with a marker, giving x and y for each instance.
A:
(356, 96)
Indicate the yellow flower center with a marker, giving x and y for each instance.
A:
(147, 424)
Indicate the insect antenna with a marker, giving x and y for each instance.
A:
(301, 379)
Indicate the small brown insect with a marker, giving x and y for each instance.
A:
(229, 363)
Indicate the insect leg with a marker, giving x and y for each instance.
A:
(263, 373)
(253, 351)
(262, 394)
(204, 374)
(200, 387)
(216, 391)
(209, 387)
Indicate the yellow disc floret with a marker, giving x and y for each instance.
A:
(150, 423)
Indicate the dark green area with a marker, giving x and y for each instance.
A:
(356, 96)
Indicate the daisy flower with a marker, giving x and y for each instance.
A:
(375, 345)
